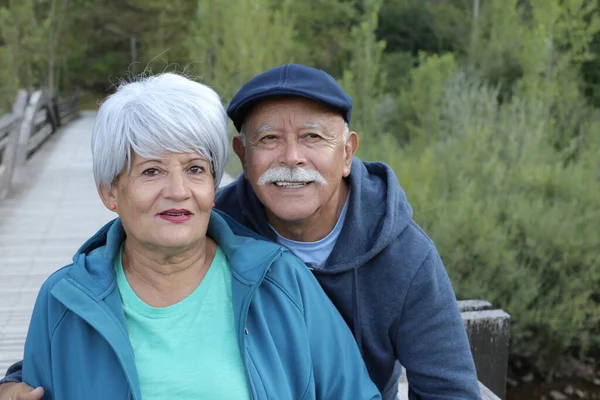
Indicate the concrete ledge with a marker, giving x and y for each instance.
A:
(489, 334)
(474, 305)
(486, 394)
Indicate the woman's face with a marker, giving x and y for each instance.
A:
(164, 203)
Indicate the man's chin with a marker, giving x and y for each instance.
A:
(291, 214)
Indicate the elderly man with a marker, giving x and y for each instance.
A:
(351, 223)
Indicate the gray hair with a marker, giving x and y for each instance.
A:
(242, 134)
(155, 115)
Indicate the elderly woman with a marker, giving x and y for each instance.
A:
(166, 301)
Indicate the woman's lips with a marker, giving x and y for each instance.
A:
(176, 215)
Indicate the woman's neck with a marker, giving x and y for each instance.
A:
(161, 278)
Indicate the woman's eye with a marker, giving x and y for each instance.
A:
(195, 169)
(150, 172)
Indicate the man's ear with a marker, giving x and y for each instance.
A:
(107, 194)
(240, 150)
(350, 148)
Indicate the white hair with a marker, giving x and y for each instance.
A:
(156, 115)
(242, 134)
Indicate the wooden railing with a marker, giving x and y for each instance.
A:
(67, 109)
(34, 117)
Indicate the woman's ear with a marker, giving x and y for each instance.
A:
(108, 196)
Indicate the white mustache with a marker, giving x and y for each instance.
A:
(283, 174)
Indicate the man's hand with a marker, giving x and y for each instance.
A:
(20, 391)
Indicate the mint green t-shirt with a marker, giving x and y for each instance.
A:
(188, 350)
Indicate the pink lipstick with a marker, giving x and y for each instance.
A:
(176, 215)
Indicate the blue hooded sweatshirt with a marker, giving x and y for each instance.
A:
(293, 342)
(386, 278)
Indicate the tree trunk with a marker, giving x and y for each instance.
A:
(475, 28)
(133, 53)
(51, 73)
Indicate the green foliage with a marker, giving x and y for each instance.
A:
(322, 28)
(512, 223)
(364, 79)
(24, 38)
(497, 51)
(590, 70)
(419, 106)
(421, 26)
(232, 42)
(413, 27)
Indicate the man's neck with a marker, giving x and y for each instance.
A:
(318, 225)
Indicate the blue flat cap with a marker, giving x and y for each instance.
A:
(289, 80)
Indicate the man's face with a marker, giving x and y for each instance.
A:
(295, 156)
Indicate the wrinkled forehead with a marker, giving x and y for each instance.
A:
(278, 112)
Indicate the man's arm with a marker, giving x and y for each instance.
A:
(431, 341)
(11, 387)
(35, 368)
(340, 372)
(20, 391)
(13, 374)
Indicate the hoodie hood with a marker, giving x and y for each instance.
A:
(94, 260)
(378, 212)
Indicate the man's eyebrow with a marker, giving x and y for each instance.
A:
(265, 128)
(314, 125)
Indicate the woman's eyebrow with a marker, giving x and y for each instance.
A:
(195, 159)
(158, 160)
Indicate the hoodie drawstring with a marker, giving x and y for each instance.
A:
(356, 312)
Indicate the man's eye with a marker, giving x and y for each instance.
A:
(312, 136)
(150, 172)
(195, 169)
(268, 138)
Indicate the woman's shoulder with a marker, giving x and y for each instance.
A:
(50, 282)
(292, 275)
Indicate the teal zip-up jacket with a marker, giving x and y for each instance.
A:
(293, 342)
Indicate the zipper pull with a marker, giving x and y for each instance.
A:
(246, 331)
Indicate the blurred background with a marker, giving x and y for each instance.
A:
(486, 109)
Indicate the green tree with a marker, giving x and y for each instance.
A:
(23, 35)
(322, 28)
(364, 79)
(231, 42)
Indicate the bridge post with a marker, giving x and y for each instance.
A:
(27, 126)
(489, 333)
(8, 141)
(33, 119)
(20, 103)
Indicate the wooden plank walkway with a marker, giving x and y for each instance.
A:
(51, 210)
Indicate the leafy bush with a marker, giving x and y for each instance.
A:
(513, 223)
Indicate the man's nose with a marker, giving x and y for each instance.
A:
(292, 155)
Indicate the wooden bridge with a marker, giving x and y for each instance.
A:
(49, 207)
